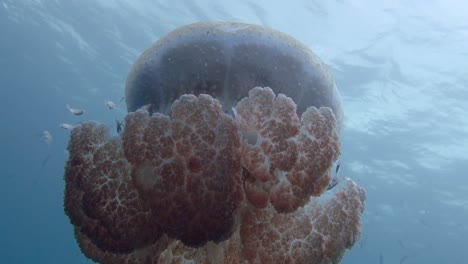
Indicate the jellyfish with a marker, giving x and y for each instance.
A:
(225, 157)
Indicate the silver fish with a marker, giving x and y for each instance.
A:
(337, 169)
(75, 111)
(47, 137)
(109, 104)
(45, 160)
(67, 126)
(403, 259)
(119, 126)
(146, 107)
(333, 182)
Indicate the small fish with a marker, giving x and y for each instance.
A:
(119, 126)
(401, 244)
(146, 107)
(403, 259)
(47, 137)
(381, 258)
(333, 182)
(109, 104)
(423, 222)
(67, 126)
(363, 241)
(337, 169)
(123, 97)
(75, 111)
(45, 160)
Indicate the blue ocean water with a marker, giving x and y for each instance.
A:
(400, 67)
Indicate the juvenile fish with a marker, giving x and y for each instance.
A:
(119, 126)
(45, 160)
(333, 182)
(67, 126)
(109, 104)
(337, 169)
(403, 259)
(75, 111)
(47, 137)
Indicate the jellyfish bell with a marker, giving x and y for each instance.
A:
(226, 60)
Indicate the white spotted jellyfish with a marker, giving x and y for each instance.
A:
(225, 157)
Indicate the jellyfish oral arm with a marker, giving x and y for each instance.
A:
(174, 184)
